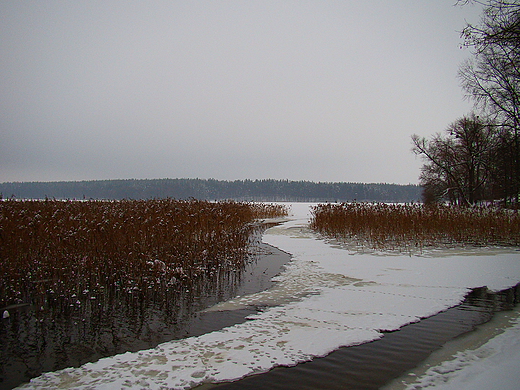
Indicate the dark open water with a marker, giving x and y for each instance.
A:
(32, 343)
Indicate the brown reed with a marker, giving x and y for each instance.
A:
(64, 248)
(405, 226)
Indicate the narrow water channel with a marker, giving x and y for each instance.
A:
(374, 364)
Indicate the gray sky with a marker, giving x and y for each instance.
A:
(298, 90)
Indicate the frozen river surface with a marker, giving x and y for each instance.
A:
(326, 298)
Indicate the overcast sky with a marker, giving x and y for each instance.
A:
(298, 90)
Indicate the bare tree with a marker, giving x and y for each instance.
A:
(437, 177)
(492, 77)
(458, 166)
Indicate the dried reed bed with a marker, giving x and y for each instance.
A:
(268, 210)
(66, 248)
(406, 226)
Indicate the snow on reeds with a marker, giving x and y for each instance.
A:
(407, 226)
(64, 248)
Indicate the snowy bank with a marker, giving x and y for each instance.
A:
(326, 298)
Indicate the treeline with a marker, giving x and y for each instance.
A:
(211, 189)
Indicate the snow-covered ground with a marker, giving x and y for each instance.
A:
(327, 297)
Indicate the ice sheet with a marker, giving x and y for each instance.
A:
(326, 298)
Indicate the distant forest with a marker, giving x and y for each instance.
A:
(240, 190)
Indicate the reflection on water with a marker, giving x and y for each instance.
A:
(52, 333)
(372, 365)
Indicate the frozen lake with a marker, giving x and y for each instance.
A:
(326, 298)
